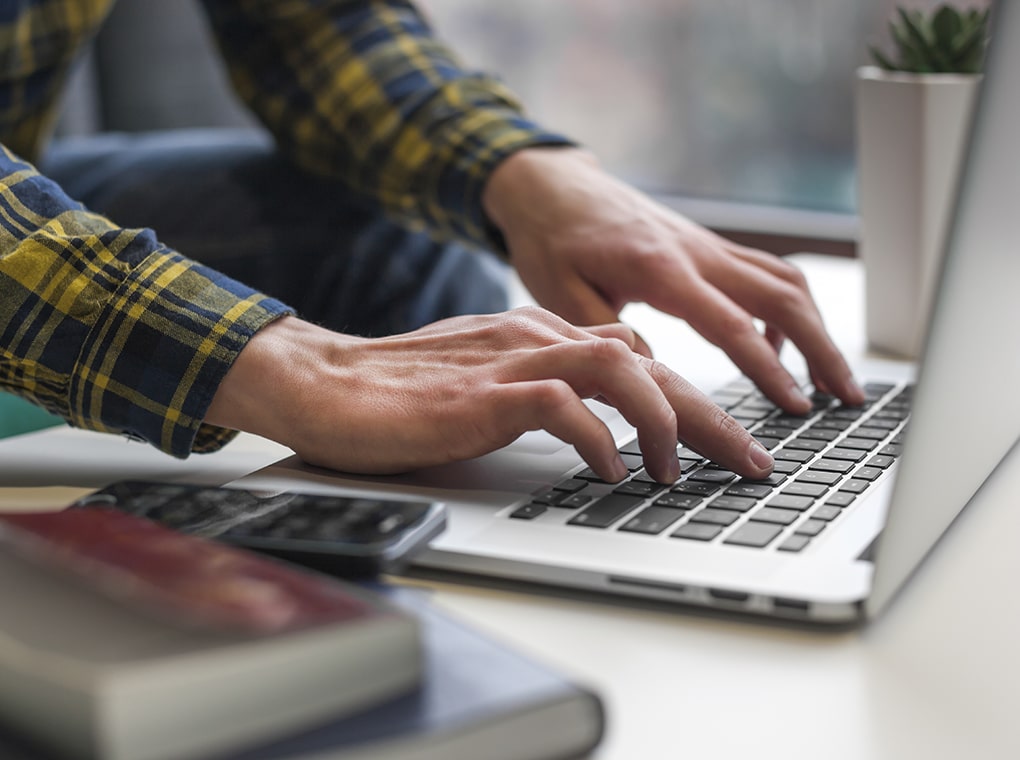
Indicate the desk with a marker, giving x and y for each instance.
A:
(938, 676)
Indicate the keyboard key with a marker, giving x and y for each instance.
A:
(889, 413)
(787, 501)
(747, 422)
(679, 500)
(883, 424)
(643, 477)
(754, 534)
(807, 444)
(575, 500)
(701, 489)
(864, 444)
(652, 520)
(833, 465)
(811, 527)
(821, 400)
(846, 413)
(794, 543)
(826, 512)
(797, 488)
(819, 434)
(788, 421)
(698, 531)
(748, 488)
(772, 480)
(739, 503)
(785, 467)
(874, 434)
(639, 488)
(766, 441)
(715, 516)
(705, 475)
(841, 499)
(634, 462)
(793, 455)
(855, 486)
(549, 496)
(849, 455)
(775, 515)
(571, 485)
(772, 431)
(528, 511)
(589, 474)
(868, 473)
(819, 476)
(892, 450)
(606, 510)
(832, 424)
(881, 460)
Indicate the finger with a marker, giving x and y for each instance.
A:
(552, 405)
(707, 429)
(775, 337)
(610, 370)
(617, 330)
(623, 332)
(785, 302)
(731, 328)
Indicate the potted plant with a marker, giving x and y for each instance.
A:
(913, 112)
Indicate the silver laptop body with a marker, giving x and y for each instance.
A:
(965, 418)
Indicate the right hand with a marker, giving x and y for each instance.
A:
(463, 387)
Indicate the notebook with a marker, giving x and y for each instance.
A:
(859, 496)
(477, 698)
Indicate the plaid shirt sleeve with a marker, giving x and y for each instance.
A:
(362, 91)
(108, 328)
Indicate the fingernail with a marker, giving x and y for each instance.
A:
(760, 457)
(620, 470)
(673, 469)
(796, 396)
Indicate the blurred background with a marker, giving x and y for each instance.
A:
(727, 100)
(738, 113)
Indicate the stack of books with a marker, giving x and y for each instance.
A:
(122, 639)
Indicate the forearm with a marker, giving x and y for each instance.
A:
(108, 328)
(363, 91)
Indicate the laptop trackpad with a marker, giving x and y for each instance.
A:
(537, 442)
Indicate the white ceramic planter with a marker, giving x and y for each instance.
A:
(911, 132)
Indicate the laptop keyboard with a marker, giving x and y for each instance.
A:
(824, 461)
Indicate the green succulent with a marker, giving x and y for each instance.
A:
(944, 41)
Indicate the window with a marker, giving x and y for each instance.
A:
(743, 102)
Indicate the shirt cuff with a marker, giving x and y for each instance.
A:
(162, 344)
(487, 140)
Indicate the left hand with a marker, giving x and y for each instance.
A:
(586, 244)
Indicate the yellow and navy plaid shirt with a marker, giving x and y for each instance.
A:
(112, 330)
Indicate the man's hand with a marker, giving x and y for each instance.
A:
(586, 244)
(462, 387)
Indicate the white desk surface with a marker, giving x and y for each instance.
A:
(938, 676)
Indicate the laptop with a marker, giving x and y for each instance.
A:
(860, 495)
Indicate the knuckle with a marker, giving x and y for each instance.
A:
(790, 302)
(527, 324)
(793, 275)
(730, 432)
(608, 351)
(736, 326)
(551, 395)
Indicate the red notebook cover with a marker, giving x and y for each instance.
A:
(184, 580)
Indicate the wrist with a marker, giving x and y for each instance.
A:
(281, 365)
(511, 187)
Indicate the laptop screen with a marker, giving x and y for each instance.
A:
(966, 414)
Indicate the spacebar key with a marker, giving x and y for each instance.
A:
(606, 510)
